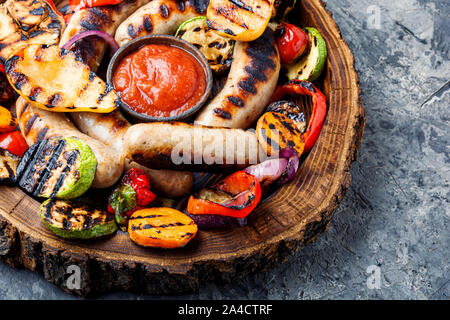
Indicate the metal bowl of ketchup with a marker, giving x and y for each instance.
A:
(160, 78)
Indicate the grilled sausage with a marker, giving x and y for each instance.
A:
(110, 129)
(104, 18)
(251, 82)
(159, 17)
(181, 146)
(37, 124)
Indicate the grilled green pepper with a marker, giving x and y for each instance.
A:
(76, 221)
(61, 168)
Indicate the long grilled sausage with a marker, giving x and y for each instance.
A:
(110, 129)
(104, 18)
(159, 17)
(251, 82)
(169, 145)
(37, 124)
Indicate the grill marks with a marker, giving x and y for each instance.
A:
(45, 167)
(69, 215)
(161, 227)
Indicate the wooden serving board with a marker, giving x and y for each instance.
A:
(294, 216)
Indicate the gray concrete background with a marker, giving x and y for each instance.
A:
(394, 220)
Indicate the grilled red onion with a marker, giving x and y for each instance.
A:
(97, 33)
(280, 170)
(292, 165)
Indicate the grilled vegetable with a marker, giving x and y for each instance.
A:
(238, 20)
(282, 126)
(132, 194)
(14, 142)
(57, 168)
(234, 196)
(55, 79)
(25, 22)
(161, 227)
(319, 112)
(281, 8)
(76, 221)
(218, 50)
(8, 167)
(7, 121)
(311, 65)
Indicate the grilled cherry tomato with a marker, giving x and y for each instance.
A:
(235, 196)
(14, 142)
(292, 42)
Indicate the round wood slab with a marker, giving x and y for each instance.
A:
(294, 216)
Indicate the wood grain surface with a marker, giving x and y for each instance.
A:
(292, 217)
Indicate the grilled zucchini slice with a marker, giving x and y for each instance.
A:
(310, 67)
(56, 80)
(240, 20)
(72, 220)
(62, 168)
(218, 50)
(27, 21)
(8, 167)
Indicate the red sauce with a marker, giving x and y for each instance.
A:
(160, 80)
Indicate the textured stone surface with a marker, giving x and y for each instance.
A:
(395, 215)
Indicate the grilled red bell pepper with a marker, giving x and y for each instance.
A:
(234, 196)
(2, 68)
(81, 4)
(133, 193)
(292, 42)
(319, 112)
(14, 142)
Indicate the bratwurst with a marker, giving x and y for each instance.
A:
(182, 146)
(251, 82)
(110, 129)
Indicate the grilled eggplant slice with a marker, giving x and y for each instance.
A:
(218, 50)
(72, 220)
(25, 22)
(238, 20)
(62, 168)
(8, 167)
(56, 80)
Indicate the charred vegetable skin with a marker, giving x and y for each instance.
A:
(57, 168)
(56, 80)
(282, 126)
(8, 167)
(319, 112)
(235, 196)
(133, 193)
(161, 228)
(218, 50)
(281, 8)
(70, 220)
